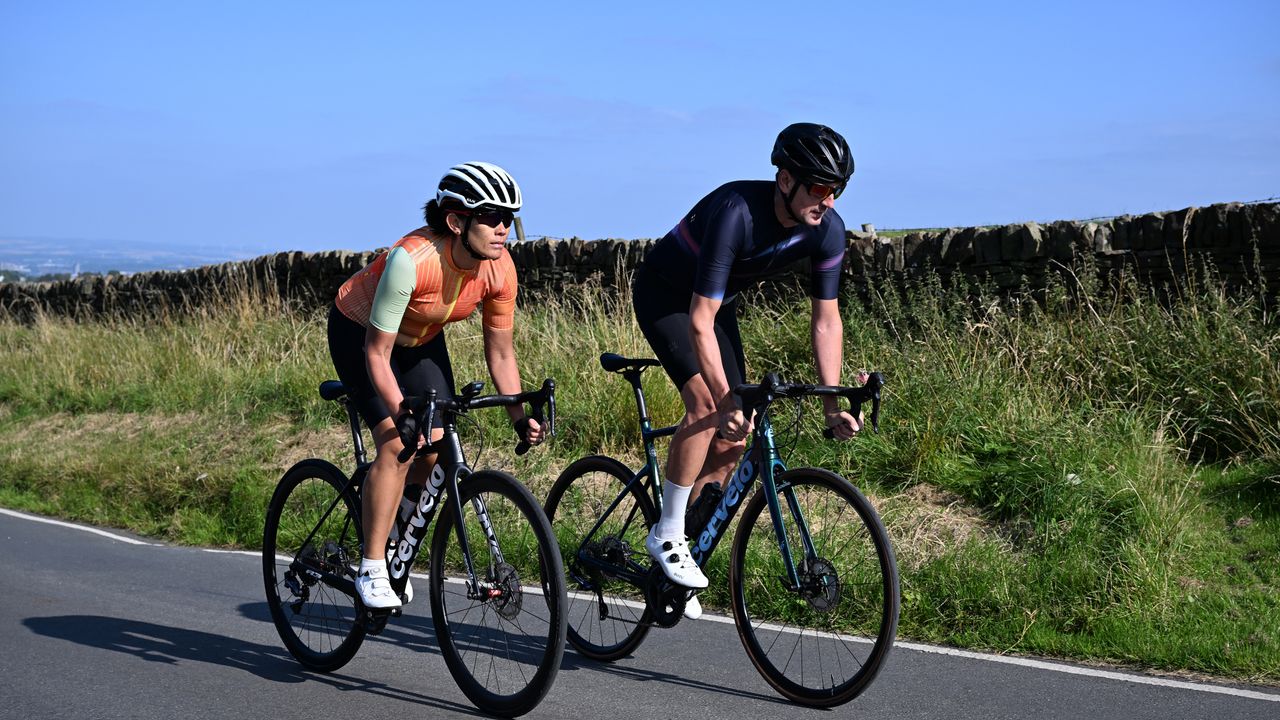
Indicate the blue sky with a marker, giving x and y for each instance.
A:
(280, 125)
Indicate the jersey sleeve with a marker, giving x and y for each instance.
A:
(395, 287)
(723, 239)
(499, 309)
(826, 261)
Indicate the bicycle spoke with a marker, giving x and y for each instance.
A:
(503, 636)
(822, 641)
(311, 523)
(601, 526)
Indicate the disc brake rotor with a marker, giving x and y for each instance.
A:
(509, 597)
(819, 584)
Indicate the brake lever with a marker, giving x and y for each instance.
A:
(549, 401)
(869, 390)
(429, 406)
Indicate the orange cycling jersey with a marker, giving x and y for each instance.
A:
(442, 292)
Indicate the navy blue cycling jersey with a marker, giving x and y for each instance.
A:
(732, 238)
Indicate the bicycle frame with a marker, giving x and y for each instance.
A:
(759, 460)
(450, 470)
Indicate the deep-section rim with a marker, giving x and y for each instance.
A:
(640, 628)
(851, 688)
(552, 588)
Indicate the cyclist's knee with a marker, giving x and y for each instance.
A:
(721, 446)
(384, 433)
(698, 403)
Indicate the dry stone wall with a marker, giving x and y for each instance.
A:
(1242, 241)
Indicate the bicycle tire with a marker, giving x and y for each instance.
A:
(823, 643)
(504, 650)
(318, 623)
(578, 500)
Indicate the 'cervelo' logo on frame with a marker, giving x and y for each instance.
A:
(414, 529)
(732, 496)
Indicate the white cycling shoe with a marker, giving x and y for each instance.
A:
(674, 559)
(692, 608)
(376, 593)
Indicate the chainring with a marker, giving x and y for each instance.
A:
(664, 598)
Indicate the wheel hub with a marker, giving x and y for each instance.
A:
(819, 584)
(506, 593)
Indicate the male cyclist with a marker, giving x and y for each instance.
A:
(686, 295)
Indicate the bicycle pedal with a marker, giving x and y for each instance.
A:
(375, 621)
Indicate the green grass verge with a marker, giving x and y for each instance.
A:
(1093, 477)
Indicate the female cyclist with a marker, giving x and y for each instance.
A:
(387, 341)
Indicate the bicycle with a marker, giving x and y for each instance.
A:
(495, 582)
(812, 578)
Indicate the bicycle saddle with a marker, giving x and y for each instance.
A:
(617, 363)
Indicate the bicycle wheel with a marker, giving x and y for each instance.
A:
(503, 641)
(608, 618)
(823, 642)
(312, 532)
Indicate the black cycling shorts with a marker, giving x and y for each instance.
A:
(417, 369)
(663, 314)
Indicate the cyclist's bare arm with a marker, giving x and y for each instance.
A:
(500, 356)
(377, 358)
(827, 331)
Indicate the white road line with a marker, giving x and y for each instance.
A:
(1091, 672)
(60, 523)
(219, 551)
(934, 649)
(987, 657)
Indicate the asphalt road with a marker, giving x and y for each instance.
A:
(96, 625)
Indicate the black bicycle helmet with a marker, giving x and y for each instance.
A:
(813, 153)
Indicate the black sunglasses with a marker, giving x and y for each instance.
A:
(492, 218)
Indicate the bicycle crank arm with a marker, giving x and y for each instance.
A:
(342, 584)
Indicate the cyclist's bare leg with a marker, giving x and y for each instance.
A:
(685, 458)
(385, 485)
(382, 489)
(420, 469)
(721, 459)
(690, 444)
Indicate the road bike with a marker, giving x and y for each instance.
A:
(812, 579)
(495, 582)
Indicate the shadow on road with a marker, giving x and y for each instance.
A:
(418, 633)
(170, 645)
(414, 632)
(620, 669)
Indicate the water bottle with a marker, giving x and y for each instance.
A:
(700, 512)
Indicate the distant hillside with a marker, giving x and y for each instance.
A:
(23, 258)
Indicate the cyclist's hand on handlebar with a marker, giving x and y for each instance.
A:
(734, 425)
(843, 425)
(529, 430)
(407, 428)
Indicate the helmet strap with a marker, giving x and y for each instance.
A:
(795, 188)
(466, 241)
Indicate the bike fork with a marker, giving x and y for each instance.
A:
(476, 590)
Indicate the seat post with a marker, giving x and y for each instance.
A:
(633, 376)
(356, 437)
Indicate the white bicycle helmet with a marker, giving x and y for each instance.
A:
(479, 184)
